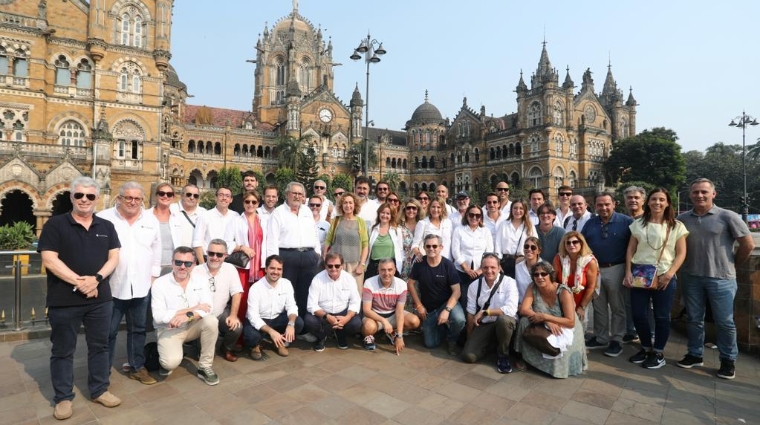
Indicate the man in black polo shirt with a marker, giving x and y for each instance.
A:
(438, 301)
(79, 251)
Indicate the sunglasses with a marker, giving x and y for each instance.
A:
(333, 266)
(566, 194)
(187, 264)
(320, 187)
(192, 195)
(336, 194)
(502, 189)
(475, 215)
(315, 205)
(251, 201)
(540, 274)
(431, 246)
(215, 254)
(212, 283)
(423, 198)
(90, 196)
(492, 202)
(393, 201)
(410, 208)
(530, 247)
(161, 193)
(573, 242)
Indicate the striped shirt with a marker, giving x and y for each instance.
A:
(384, 300)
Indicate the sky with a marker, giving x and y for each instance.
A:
(693, 65)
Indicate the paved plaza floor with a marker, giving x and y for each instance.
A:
(419, 387)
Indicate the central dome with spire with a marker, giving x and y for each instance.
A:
(426, 113)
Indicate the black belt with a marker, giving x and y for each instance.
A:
(606, 265)
(511, 256)
(304, 249)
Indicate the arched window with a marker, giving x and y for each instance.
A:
(558, 113)
(209, 147)
(624, 131)
(84, 74)
(432, 162)
(416, 162)
(467, 157)
(191, 146)
(4, 61)
(518, 149)
(559, 144)
(131, 29)
(20, 64)
(477, 155)
(122, 147)
(71, 134)
(535, 177)
(388, 162)
(130, 137)
(236, 149)
(201, 147)
(559, 177)
(130, 79)
(279, 78)
(62, 71)
(217, 148)
(573, 179)
(534, 114)
(137, 31)
(259, 152)
(492, 154)
(424, 162)
(305, 76)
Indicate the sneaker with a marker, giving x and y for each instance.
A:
(63, 410)
(108, 400)
(502, 365)
(256, 353)
(369, 343)
(307, 337)
(143, 376)
(319, 346)
(452, 348)
(628, 338)
(690, 361)
(727, 370)
(207, 375)
(342, 342)
(613, 350)
(639, 357)
(164, 372)
(654, 360)
(594, 344)
(126, 368)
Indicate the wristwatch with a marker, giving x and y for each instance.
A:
(99, 277)
(448, 309)
(292, 324)
(190, 316)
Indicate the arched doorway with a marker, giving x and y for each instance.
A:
(17, 206)
(62, 203)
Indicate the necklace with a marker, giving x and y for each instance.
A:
(650, 245)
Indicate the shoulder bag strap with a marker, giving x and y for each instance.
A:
(480, 285)
(188, 218)
(662, 251)
(493, 291)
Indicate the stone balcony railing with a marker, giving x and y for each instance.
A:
(41, 151)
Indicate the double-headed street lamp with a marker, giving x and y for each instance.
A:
(743, 121)
(371, 55)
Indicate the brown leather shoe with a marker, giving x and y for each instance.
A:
(227, 354)
(143, 376)
(283, 351)
(108, 400)
(256, 353)
(63, 410)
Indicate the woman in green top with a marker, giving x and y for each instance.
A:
(348, 237)
(385, 241)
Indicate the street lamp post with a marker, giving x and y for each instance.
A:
(743, 121)
(371, 55)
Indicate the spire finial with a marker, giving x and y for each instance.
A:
(609, 60)
(544, 42)
(295, 6)
(426, 95)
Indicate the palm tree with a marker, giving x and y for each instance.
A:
(290, 151)
(393, 180)
(753, 151)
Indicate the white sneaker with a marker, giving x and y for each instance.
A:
(307, 337)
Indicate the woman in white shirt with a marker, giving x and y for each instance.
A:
(532, 247)
(436, 223)
(510, 236)
(385, 241)
(468, 244)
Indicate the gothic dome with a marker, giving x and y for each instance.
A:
(172, 79)
(426, 113)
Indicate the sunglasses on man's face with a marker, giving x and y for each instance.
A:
(187, 264)
(315, 205)
(90, 196)
(502, 189)
(566, 194)
(320, 187)
(333, 266)
(161, 193)
(192, 195)
(431, 246)
(215, 254)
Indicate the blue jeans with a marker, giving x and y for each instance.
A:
(662, 301)
(136, 311)
(253, 336)
(434, 334)
(697, 291)
(64, 328)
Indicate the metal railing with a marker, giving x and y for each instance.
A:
(23, 290)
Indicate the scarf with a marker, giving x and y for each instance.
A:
(580, 265)
(255, 237)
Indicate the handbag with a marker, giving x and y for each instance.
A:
(645, 274)
(238, 259)
(537, 336)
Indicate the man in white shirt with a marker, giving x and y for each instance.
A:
(564, 193)
(492, 214)
(502, 189)
(213, 224)
(224, 283)
(579, 217)
(320, 189)
(462, 202)
(181, 305)
(292, 235)
(139, 264)
(334, 304)
(368, 210)
(272, 310)
(536, 198)
(443, 192)
(267, 207)
(189, 210)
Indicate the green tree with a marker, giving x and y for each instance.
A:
(306, 172)
(722, 164)
(652, 156)
(282, 177)
(393, 180)
(343, 181)
(208, 199)
(620, 194)
(230, 178)
(290, 151)
(356, 153)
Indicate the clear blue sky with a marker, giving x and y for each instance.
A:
(693, 65)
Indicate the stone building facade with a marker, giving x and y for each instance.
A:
(87, 88)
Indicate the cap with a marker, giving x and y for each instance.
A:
(462, 194)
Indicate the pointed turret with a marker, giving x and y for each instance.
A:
(521, 87)
(356, 97)
(568, 84)
(545, 73)
(610, 86)
(631, 101)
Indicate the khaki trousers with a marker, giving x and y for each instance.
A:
(170, 342)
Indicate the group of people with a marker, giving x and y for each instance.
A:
(255, 274)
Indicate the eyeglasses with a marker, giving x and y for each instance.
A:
(296, 194)
(187, 264)
(90, 196)
(423, 198)
(333, 266)
(573, 242)
(566, 194)
(315, 205)
(215, 254)
(223, 195)
(192, 195)
(382, 189)
(161, 193)
(470, 215)
(502, 189)
(492, 202)
(530, 247)
(251, 201)
(540, 274)
(129, 198)
(320, 187)
(604, 230)
(393, 201)
(336, 194)
(212, 283)
(410, 208)
(431, 246)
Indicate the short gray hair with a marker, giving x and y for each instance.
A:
(431, 236)
(217, 241)
(386, 260)
(85, 181)
(133, 185)
(631, 189)
(291, 184)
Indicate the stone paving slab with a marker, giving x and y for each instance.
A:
(417, 388)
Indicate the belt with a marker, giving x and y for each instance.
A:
(511, 256)
(303, 249)
(606, 265)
